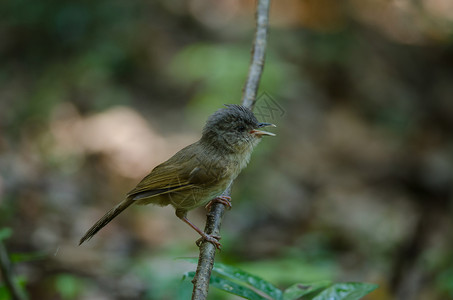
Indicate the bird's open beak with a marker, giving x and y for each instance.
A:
(260, 133)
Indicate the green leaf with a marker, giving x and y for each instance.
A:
(193, 260)
(26, 257)
(247, 278)
(5, 233)
(4, 294)
(244, 277)
(346, 291)
(235, 289)
(228, 286)
(188, 276)
(300, 289)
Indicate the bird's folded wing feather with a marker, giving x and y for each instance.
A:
(161, 181)
(170, 177)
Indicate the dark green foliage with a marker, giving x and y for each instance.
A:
(252, 287)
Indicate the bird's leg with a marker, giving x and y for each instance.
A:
(225, 200)
(212, 238)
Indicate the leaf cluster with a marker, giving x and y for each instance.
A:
(248, 286)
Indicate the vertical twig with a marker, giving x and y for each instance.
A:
(5, 268)
(214, 218)
(258, 54)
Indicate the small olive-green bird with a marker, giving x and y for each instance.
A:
(200, 172)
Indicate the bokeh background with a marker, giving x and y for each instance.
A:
(357, 186)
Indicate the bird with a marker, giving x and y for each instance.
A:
(198, 174)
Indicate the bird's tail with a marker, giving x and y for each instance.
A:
(106, 219)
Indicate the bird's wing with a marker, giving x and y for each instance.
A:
(160, 181)
(177, 174)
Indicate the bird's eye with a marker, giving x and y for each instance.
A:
(241, 128)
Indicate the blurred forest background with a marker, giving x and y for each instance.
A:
(357, 185)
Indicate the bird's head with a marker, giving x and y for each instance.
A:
(234, 128)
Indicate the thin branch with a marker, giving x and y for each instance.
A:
(215, 215)
(258, 54)
(5, 268)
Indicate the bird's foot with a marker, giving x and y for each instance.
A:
(225, 200)
(212, 238)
